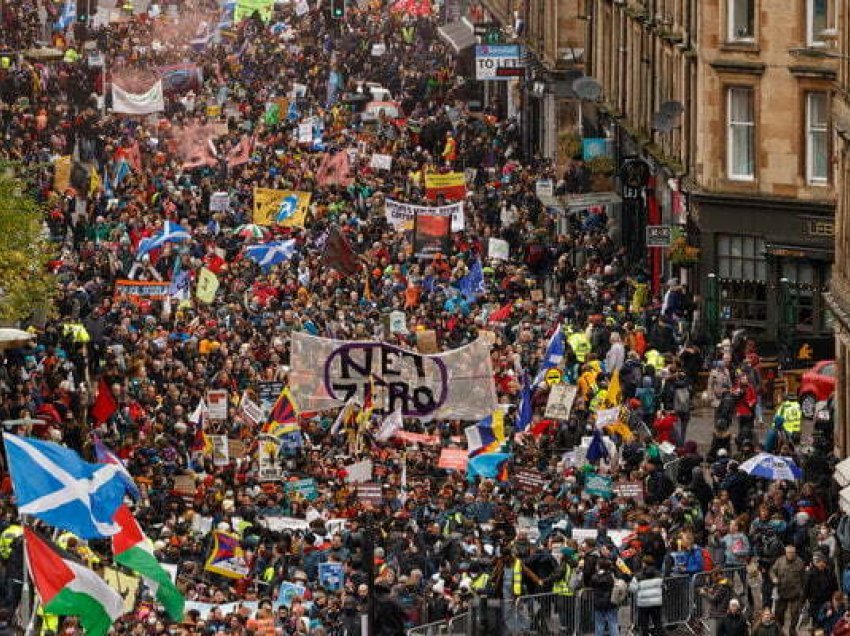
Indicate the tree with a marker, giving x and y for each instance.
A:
(26, 285)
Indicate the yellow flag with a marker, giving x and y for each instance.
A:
(287, 208)
(207, 286)
(94, 182)
(62, 174)
(615, 391)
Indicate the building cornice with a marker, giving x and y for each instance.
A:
(817, 72)
(741, 67)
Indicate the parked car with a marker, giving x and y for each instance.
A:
(816, 385)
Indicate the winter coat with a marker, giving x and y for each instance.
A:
(790, 575)
(820, 585)
(602, 583)
(733, 625)
(648, 587)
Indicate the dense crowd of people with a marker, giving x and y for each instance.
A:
(608, 517)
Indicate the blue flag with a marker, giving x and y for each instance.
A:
(171, 233)
(553, 356)
(267, 254)
(597, 449)
(472, 285)
(488, 466)
(526, 409)
(54, 484)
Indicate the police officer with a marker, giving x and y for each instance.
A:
(789, 416)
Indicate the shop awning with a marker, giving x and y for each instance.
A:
(811, 252)
(459, 35)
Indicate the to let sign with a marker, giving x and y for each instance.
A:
(498, 62)
(659, 235)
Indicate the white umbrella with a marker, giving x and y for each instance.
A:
(772, 467)
(11, 338)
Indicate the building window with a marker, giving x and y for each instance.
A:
(817, 20)
(801, 278)
(817, 138)
(741, 137)
(741, 20)
(742, 270)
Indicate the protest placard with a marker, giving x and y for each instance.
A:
(453, 459)
(560, 402)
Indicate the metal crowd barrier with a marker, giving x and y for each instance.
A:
(685, 606)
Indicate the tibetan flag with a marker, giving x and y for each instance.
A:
(226, 556)
(133, 550)
(487, 436)
(284, 416)
(67, 588)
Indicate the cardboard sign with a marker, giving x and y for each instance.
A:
(184, 485)
(331, 576)
(370, 493)
(381, 162)
(560, 402)
(607, 416)
(220, 450)
(136, 290)
(453, 459)
(530, 480)
(398, 322)
(426, 341)
(378, 50)
(217, 404)
(219, 202)
(598, 486)
(304, 487)
(498, 249)
(236, 448)
(629, 490)
(360, 472)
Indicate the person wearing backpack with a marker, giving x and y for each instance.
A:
(648, 588)
(682, 403)
(604, 609)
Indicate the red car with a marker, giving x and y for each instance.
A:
(816, 385)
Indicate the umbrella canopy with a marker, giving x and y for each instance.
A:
(251, 230)
(772, 467)
(11, 338)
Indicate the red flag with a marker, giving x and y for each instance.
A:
(339, 255)
(104, 405)
(241, 152)
(502, 313)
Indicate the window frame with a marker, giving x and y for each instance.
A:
(813, 39)
(811, 131)
(730, 127)
(731, 34)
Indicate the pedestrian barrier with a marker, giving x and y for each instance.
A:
(686, 605)
(437, 628)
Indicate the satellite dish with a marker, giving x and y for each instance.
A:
(662, 123)
(587, 89)
(671, 109)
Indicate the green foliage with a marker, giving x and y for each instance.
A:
(25, 284)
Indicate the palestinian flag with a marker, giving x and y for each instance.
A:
(67, 588)
(132, 549)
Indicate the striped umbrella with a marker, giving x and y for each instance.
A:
(251, 230)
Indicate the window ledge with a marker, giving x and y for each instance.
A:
(740, 46)
(738, 66)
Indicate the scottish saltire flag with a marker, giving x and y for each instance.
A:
(553, 356)
(472, 285)
(106, 456)
(526, 409)
(54, 484)
(171, 233)
(487, 436)
(267, 254)
(66, 18)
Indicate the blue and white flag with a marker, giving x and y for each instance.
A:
(472, 285)
(54, 484)
(525, 412)
(288, 207)
(171, 233)
(553, 356)
(67, 17)
(267, 254)
(121, 171)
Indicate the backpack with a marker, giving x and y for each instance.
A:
(619, 592)
(707, 561)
